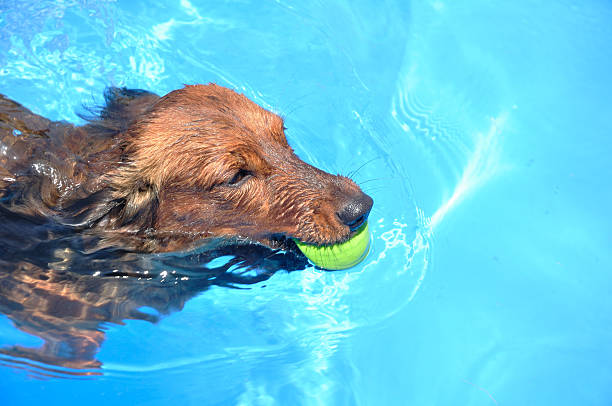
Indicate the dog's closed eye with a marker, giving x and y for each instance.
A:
(239, 178)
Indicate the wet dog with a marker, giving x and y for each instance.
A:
(80, 208)
(200, 162)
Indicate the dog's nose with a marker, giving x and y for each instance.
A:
(355, 212)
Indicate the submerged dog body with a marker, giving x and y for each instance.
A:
(162, 173)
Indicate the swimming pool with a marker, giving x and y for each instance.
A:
(481, 130)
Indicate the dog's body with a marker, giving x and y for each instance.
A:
(148, 174)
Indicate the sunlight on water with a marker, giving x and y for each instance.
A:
(483, 164)
(71, 60)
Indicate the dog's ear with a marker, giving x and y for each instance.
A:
(138, 205)
(128, 206)
(134, 203)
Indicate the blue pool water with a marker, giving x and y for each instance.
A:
(482, 131)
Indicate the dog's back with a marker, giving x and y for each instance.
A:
(44, 164)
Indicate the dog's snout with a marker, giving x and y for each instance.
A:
(355, 212)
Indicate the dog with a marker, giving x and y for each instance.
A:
(84, 208)
(200, 162)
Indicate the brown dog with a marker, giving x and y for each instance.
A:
(200, 165)
(200, 162)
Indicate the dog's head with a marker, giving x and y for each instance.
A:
(207, 161)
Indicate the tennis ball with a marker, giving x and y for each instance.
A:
(339, 256)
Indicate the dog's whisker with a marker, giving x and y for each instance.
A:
(353, 173)
(363, 182)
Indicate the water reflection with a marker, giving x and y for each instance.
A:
(53, 287)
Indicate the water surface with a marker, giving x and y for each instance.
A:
(482, 132)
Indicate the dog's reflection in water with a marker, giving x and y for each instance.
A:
(53, 288)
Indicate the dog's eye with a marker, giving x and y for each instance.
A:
(240, 177)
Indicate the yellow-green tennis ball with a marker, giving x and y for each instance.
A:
(339, 256)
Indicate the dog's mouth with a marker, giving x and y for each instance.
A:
(282, 242)
(356, 224)
(287, 243)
